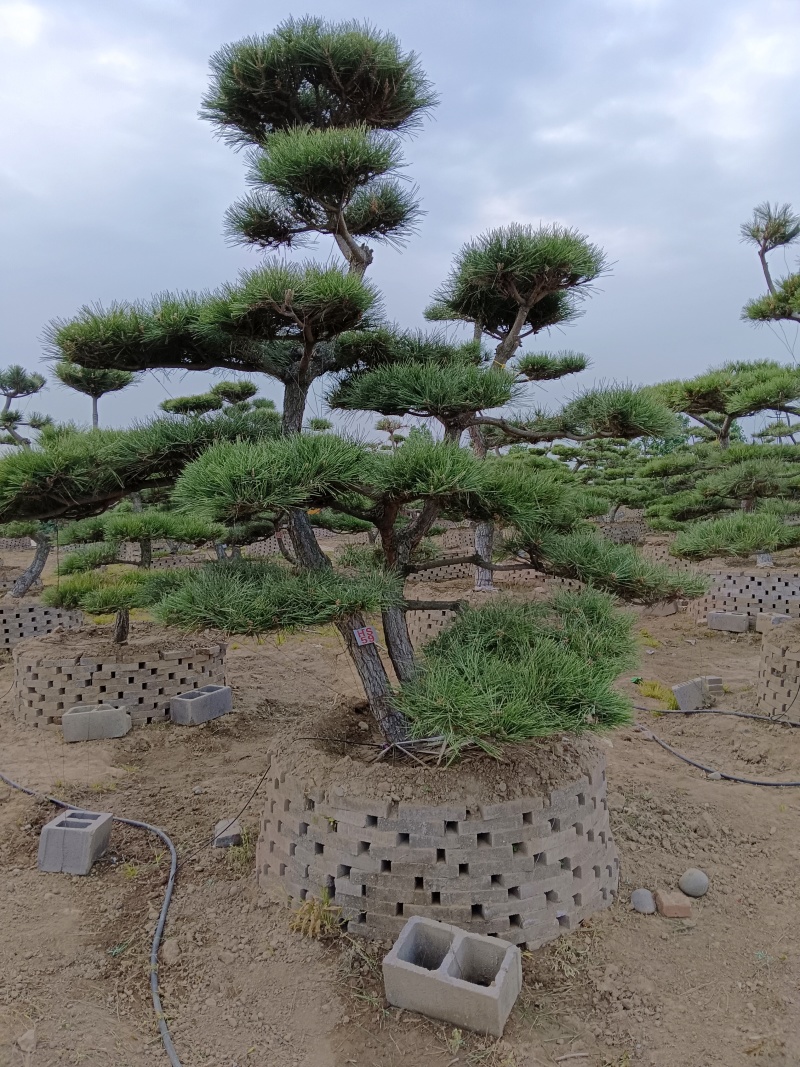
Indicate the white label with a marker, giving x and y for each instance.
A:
(366, 636)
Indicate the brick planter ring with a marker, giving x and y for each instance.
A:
(48, 682)
(21, 618)
(778, 685)
(525, 870)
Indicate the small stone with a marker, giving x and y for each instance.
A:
(694, 882)
(673, 905)
(363, 725)
(339, 791)
(227, 833)
(27, 1041)
(170, 952)
(715, 776)
(227, 957)
(642, 901)
(198, 790)
(345, 1019)
(502, 787)
(616, 801)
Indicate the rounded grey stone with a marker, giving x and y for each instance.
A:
(694, 882)
(643, 902)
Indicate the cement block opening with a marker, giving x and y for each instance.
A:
(426, 946)
(477, 962)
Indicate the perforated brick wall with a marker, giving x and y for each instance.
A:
(524, 870)
(423, 626)
(16, 544)
(169, 563)
(260, 549)
(20, 619)
(778, 686)
(141, 682)
(750, 594)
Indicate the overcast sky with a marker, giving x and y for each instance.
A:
(654, 126)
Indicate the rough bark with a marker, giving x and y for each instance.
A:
(146, 549)
(122, 625)
(398, 643)
(32, 572)
(484, 540)
(219, 550)
(373, 677)
(95, 420)
(295, 394)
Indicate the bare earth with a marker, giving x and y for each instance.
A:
(240, 989)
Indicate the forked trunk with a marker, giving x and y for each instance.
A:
(122, 625)
(372, 674)
(32, 572)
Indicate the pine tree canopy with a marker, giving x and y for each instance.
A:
(191, 405)
(266, 322)
(522, 265)
(234, 392)
(317, 73)
(94, 383)
(444, 392)
(16, 382)
(496, 314)
(734, 390)
(75, 474)
(543, 367)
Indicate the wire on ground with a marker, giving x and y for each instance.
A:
(169, 1048)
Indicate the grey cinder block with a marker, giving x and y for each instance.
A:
(689, 694)
(734, 622)
(227, 833)
(465, 979)
(91, 722)
(71, 842)
(201, 705)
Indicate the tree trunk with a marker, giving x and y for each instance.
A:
(612, 515)
(219, 550)
(284, 550)
(484, 541)
(398, 643)
(306, 546)
(294, 406)
(122, 625)
(146, 549)
(95, 421)
(373, 677)
(31, 573)
(236, 551)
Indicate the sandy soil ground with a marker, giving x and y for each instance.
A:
(241, 989)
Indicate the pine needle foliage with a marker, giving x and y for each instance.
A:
(93, 383)
(255, 598)
(544, 367)
(510, 672)
(89, 558)
(312, 72)
(735, 535)
(413, 388)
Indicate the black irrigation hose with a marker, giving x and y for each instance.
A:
(169, 1048)
(648, 733)
(720, 711)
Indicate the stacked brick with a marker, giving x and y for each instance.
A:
(750, 594)
(423, 626)
(778, 686)
(261, 549)
(141, 682)
(524, 870)
(169, 563)
(19, 619)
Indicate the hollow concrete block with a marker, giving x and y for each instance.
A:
(689, 694)
(201, 705)
(465, 979)
(734, 622)
(73, 841)
(91, 722)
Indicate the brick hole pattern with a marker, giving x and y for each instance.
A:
(523, 870)
(778, 685)
(6, 584)
(21, 620)
(750, 594)
(15, 544)
(45, 688)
